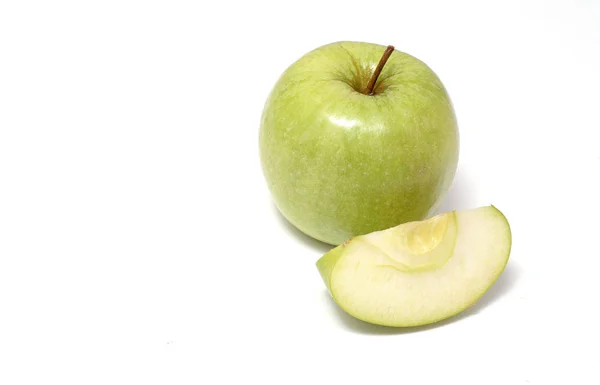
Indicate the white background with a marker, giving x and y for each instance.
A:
(138, 241)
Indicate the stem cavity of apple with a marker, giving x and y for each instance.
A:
(382, 61)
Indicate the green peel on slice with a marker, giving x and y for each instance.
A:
(420, 272)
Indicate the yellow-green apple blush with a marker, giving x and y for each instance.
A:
(419, 272)
(356, 138)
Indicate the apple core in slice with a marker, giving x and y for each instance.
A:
(416, 246)
(419, 272)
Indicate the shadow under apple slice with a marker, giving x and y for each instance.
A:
(503, 285)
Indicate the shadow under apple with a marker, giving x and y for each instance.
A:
(306, 240)
(459, 196)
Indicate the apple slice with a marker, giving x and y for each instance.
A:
(420, 272)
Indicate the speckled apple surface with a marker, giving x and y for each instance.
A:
(341, 163)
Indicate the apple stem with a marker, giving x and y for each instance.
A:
(382, 61)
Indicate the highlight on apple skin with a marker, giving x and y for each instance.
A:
(346, 150)
(419, 272)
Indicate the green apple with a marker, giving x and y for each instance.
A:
(419, 272)
(355, 138)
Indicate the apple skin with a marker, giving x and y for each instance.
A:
(340, 163)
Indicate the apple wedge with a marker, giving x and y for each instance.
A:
(419, 272)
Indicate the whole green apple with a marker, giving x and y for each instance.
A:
(356, 138)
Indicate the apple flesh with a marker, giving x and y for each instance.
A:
(340, 161)
(419, 272)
